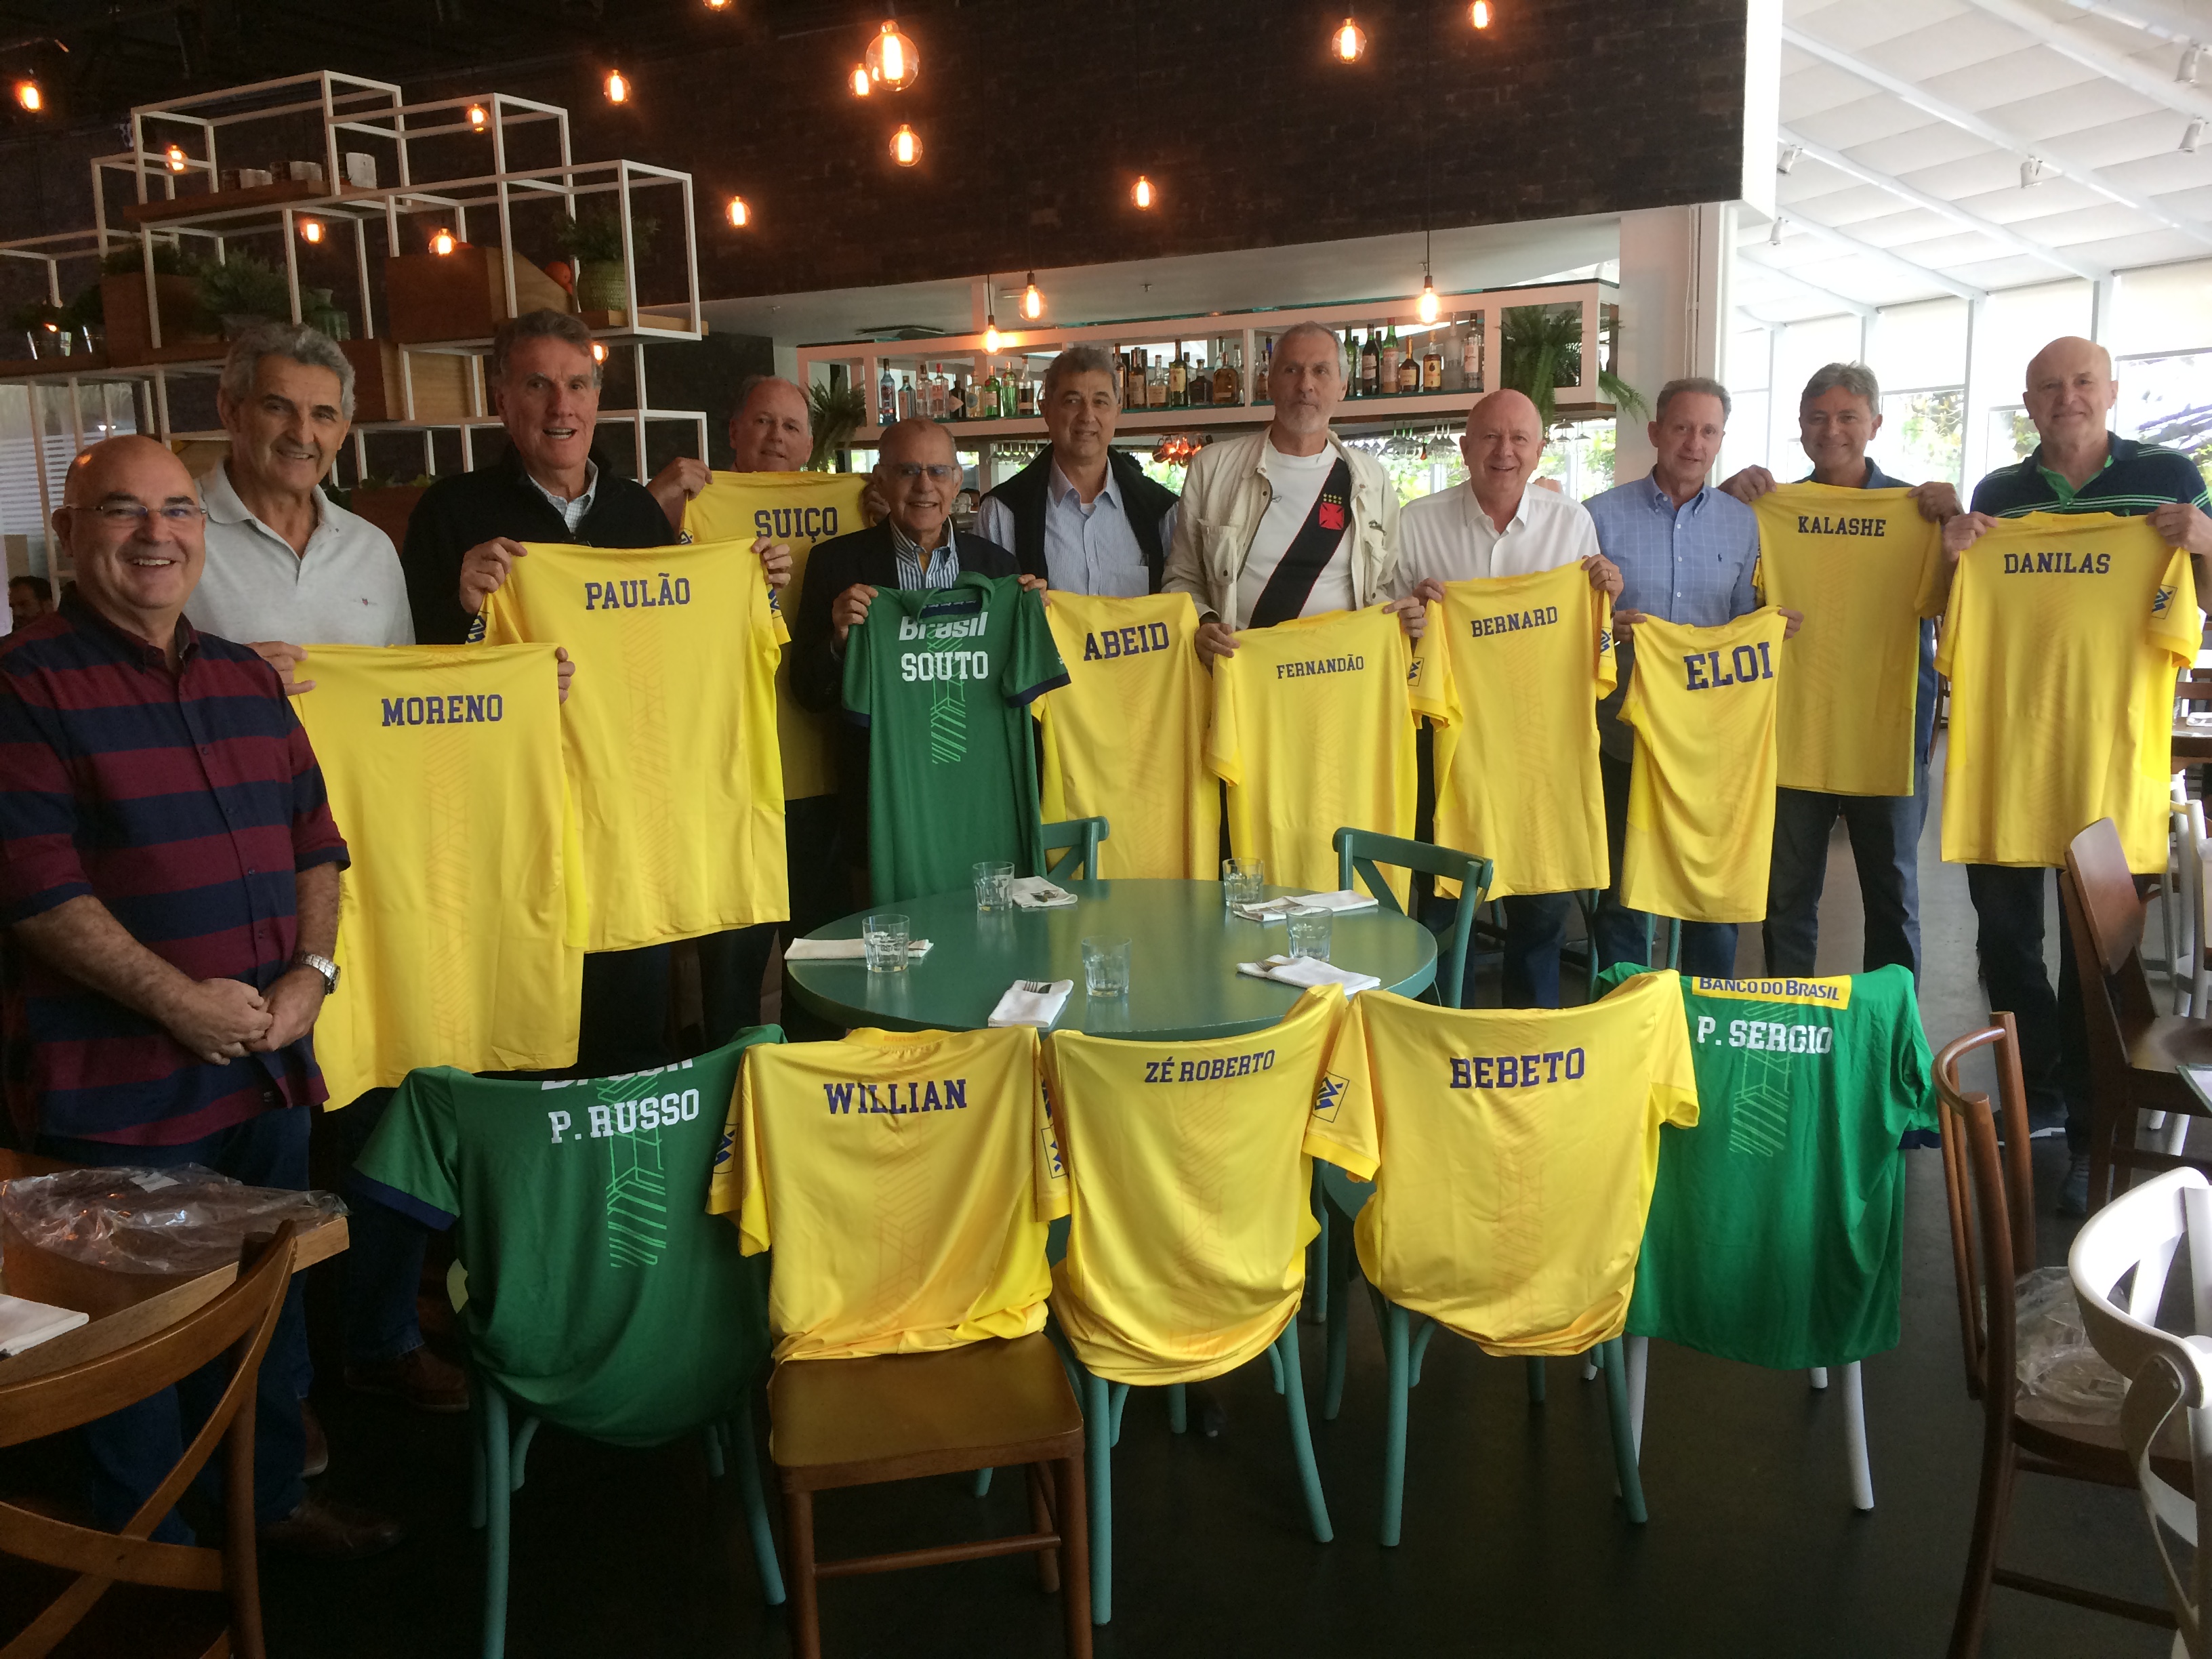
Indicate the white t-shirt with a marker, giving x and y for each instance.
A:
(1448, 536)
(1295, 483)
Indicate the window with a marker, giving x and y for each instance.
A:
(1921, 433)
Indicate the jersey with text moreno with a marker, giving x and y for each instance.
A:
(1513, 1156)
(943, 680)
(904, 1181)
(2062, 640)
(1858, 564)
(797, 509)
(461, 924)
(1701, 800)
(671, 730)
(1517, 764)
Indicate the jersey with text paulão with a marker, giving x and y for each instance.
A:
(1513, 1155)
(1125, 738)
(1777, 1232)
(1189, 1194)
(1313, 732)
(943, 680)
(671, 730)
(1701, 799)
(461, 923)
(601, 1294)
(797, 509)
(904, 1181)
(1858, 564)
(2062, 640)
(1516, 767)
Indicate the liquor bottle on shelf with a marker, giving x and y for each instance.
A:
(1369, 364)
(1264, 373)
(1178, 382)
(1470, 345)
(1132, 377)
(1026, 393)
(1409, 370)
(1201, 384)
(886, 397)
(1454, 365)
(906, 398)
(936, 383)
(1006, 392)
(1432, 362)
(1351, 365)
(1225, 389)
(1386, 361)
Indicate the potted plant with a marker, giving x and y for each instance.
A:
(838, 413)
(46, 329)
(1541, 349)
(123, 303)
(243, 290)
(595, 240)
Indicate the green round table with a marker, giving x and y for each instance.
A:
(1183, 951)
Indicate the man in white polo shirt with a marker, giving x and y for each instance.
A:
(1497, 524)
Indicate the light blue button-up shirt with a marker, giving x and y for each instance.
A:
(1087, 550)
(919, 568)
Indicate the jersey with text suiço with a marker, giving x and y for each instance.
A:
(943, 679)
(670, 729)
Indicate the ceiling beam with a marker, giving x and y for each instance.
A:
(1756, 253)
(1995, 137)
(2163, 25)
(2157, 85)
(1864, 250)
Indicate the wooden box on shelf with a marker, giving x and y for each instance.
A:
(389, 509)
(461, 296)
(442, 383)
(123, 304)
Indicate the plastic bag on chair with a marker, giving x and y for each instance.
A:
(2062, 1378)
(188, 1219)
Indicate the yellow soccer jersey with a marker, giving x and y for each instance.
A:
(904, 1181)
(461, 923)
(2062, 639)
(1125, 738)
(1190, 1198)
(1313, 730)
(1513, 1155)
(800, 509)
(671, 730)
(1516, 767)
(1701, 800)
(1858, 565)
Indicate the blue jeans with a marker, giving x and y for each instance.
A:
(384, 1251)
(1885, 831)
(131, 1451)
(1624, 935)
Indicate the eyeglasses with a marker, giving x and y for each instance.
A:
(912, 469)
(136, 513)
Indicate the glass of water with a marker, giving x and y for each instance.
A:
(1241, 880)
(995, 885)
(883, 936)
(1309, 926)
(1106, 966)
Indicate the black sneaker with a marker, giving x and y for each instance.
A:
(2074, 1191)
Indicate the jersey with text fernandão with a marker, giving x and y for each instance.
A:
(904, 1182)
(461, 923)
(1859, 565)
(1701, 799)
(1513, 1155)
(1517, 764)
(1313, 732)
(671, 730)
(800, 510)
(2062, 639)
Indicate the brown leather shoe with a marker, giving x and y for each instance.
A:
(317, 1457)
(418, 1377)
(323, 1530)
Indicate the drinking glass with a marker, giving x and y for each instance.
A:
(1241, 880)
(1309, 927)
(1106, 966)
(884, 939)
(995, 885)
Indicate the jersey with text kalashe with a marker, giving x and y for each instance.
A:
(2062, 640)
(1125, 738)
(1776, 1233)
(1701, 800)
(1513, 1156)
(797, 509)
(1858, 565)
(904, 1181)
(671, 730)
(461, 924)
(1189, 1194)
(1313, 732)
(1517, 766)
(601, 1294)
(943, 680)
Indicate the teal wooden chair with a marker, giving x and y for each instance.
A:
(1076, 841)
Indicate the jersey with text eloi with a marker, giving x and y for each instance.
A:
(2062, 639)
(670, 729)
(1701, 799)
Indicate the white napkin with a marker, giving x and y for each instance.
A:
(844, 949)
(1037, 893)
(1032, 1002)
(1343, 901)
(1306, 972)
(26, 1324)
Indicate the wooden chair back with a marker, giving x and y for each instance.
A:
(240, 1321)
(1990, 1191)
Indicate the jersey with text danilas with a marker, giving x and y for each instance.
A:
(670, 726)
(1517, 764)
(1513, 1155)
(445, 762)
(1859, 565)
(1189, 1193)
(905, 1182)
(1701, 799)
(800, 510)
(1313, 732)
(2062, 639)
(943, 680)
(1125, 738)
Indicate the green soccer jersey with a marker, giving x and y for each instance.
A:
(1777, 1232)
(942, 678)
(601, 1295)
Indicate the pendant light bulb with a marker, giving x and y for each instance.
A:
(1349, 41)
(891, 57)
(740, 215)
(442, 242)
(906, 146)
(28, 96)
(599, 351)
(618, 87)
(1481, 14)
(992, 337)
(1032, 299)
(176, 157)
(859, 81)
(718, 5)
(1429, 305)
(1142, 194)
(311, 230)
(479, 117)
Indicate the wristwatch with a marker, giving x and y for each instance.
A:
(324, 967)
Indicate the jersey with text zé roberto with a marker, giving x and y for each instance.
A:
(2062, 640)
(671, 730)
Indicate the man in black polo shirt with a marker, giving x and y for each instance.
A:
(2080, 467)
